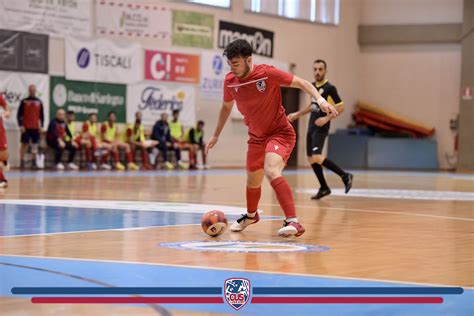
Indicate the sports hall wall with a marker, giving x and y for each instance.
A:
(383, 75)
(294, 42)
(420, 81)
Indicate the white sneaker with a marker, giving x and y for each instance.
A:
(243, 222)
(291, 229)
(40, 161)
(60, 166)
(206, 167)
(105, 166)
(72, 166)
(3, 184)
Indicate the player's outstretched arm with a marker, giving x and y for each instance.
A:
(223, 116)
(307, 87)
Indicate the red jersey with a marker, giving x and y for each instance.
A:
(258, 98)
(30, 113)
(3, 104)
(3, 136)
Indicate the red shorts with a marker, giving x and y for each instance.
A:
(3, 137)
(281, 143)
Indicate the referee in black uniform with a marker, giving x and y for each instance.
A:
(318, 130)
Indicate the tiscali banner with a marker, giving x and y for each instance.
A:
(153, 99)
(53, 17)
(103, 60)
(14, 85)
(133, 19)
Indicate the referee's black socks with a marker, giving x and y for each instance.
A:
(333, 167)
(318, 171)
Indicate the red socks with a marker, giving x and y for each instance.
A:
(105, 158)
(116, 156)
(284, 196)
(144, 157)
(129, 157)
(2, 176)
(253, 196)
(88, 154)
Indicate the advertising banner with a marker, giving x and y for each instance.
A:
(14, 86)
(21, 51)
(132, 19)
(193, 29)
(53, 17)
(103, 60)
(153, 99)
(171, 67)
(85, 98)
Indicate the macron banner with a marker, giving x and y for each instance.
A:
(152, 99)
(54, 17)
(14, 86)
(132, 19)
(103, 60)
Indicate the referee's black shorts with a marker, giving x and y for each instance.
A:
(314, 142)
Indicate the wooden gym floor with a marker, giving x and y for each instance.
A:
(126, 229)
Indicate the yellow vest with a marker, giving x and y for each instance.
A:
(110, 132)
(176, 129)
(72, 130)
(92, 129)
(139, 134)
(187, 135)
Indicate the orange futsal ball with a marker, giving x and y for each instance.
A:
(214, 223)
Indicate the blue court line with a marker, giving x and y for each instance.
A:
(80, 273)
(18, 219)
(256, 290)
(116, 290)
(358, 290)
(215, 172)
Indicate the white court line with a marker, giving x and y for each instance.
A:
(96, 230)
(386, 212)
(297, 206)
(241, 270)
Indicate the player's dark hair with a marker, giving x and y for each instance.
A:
(238, 48)
(322, 62)
(200, 122)
(175, 112)
(92, 114)
(70, 112)
(111, 112)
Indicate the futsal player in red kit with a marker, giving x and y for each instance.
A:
(256, 90)
(3, 142)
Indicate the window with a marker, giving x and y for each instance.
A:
(216, 3)
(320, 11)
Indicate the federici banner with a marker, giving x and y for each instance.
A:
(14, 86)
(85, 98)
(260, 39)
(21, 51)
(153, 99)
(103, 60)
